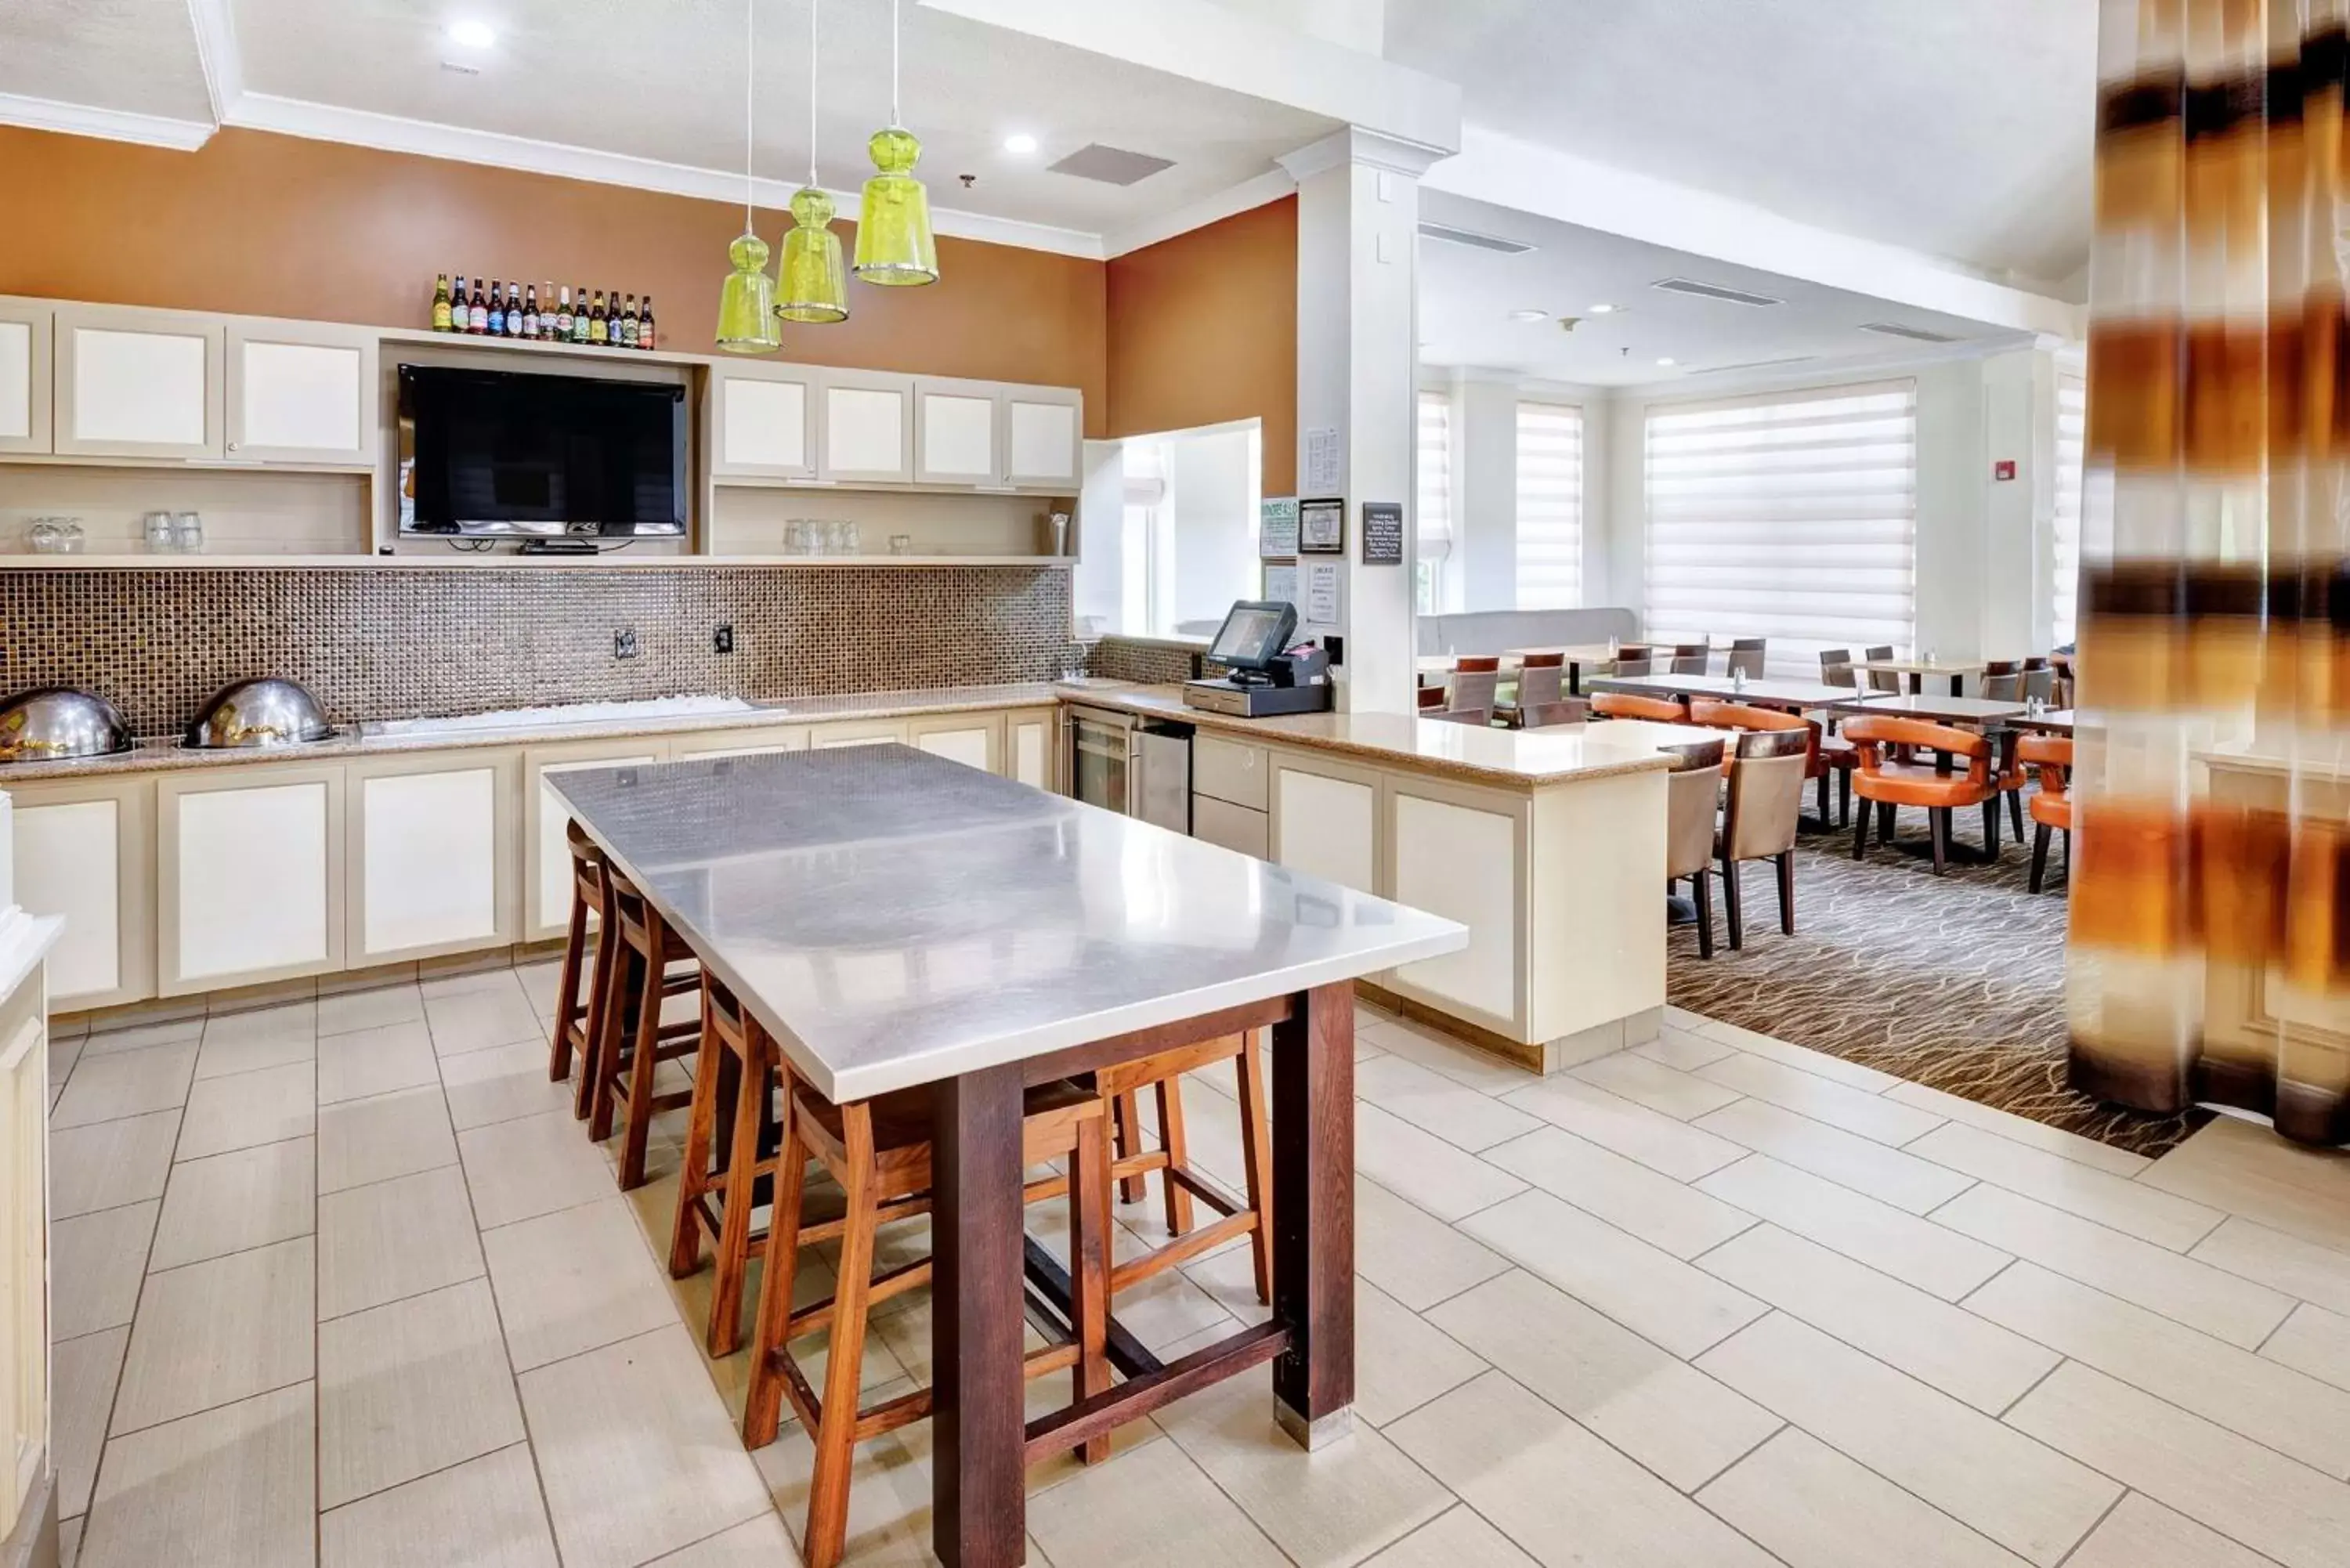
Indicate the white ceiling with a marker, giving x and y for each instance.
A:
(137, 56)
(1466, 295)
(1960, 129)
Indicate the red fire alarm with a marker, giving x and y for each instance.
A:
(2003, 469)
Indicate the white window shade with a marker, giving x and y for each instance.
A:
(1435, 529)
(1550, 507)
(2071, 447)
(1790, 516)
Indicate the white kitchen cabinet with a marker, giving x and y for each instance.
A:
(1044, 435)
(868, 428)
(749, 743)
(86, 850)
(1457, 853)
(958, 433)
(1028, 746)
(861, 732)
(249, 875)
(139, 383)
(1229, 771)
(26, 334)
(1326, 821)
(433, 848)
(301, 391)
(763, 418)
(975, 740)
(546, 869)
(1219, 822)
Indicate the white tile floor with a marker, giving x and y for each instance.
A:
(343, 1282)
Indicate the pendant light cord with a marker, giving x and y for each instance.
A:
(812, 4)
(896, 34)
(750, 43)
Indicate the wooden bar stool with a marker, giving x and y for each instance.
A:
(632, 1042)
(1252, 1216)
(879, 1151)
(576, 1021)
(734, 1081)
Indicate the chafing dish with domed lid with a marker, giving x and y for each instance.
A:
(265, 712)
(51, 723)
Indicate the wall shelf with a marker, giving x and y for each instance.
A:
(618, 561)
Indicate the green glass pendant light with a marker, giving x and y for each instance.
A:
(815, 287)
(894, 230)
(746, 305)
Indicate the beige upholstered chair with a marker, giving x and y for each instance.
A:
(1764, 801)
(1691, 793)
(1746, 657)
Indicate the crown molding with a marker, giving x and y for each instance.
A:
(113, 124)
(1372, 148)
(428, 139)
(1261, 189)
(216, 52)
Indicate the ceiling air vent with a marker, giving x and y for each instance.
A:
(1712, 291)
(1764, 364)
(1111, 165)
(1473, 240)
(1914, 334)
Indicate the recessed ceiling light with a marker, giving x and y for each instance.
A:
(1603, 310)
(1530, 315)
(1667, 360)
(473, 35)
(1020, 144)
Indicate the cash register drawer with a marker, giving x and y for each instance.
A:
(1223, 770)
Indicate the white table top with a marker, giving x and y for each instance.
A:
(1961, 710)
(1769, 693)
(894, 918)
(1921, 665)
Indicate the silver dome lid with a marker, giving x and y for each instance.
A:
(52, 723)
(264, 712)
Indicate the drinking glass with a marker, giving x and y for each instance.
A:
(157, 527)
(188, 534)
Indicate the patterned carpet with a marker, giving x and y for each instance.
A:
(1956, 983)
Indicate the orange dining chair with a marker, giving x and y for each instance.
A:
(1632, 705)
(1889, 784)
(2052, 808)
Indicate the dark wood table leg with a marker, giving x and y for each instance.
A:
(979, 1505)
(1955, 683)
(1314, 1214)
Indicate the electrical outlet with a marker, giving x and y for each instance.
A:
(721, 641)
(624, 644)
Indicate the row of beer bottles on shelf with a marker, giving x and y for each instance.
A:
(520, 310)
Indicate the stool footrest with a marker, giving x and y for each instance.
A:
(1189, 1245)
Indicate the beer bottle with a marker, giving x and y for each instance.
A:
(599, 326)
(629, 324)
(498, 308)
(645, 324)
(563, 316)
(441, 313)
(478, 315)
(579, 313)
(530, 311)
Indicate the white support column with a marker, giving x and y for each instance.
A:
(1358, 362)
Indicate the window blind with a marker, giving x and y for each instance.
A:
(1432, 526)
(1790, 516)
(1550, 507)
(2072, 448)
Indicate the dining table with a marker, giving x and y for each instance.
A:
(1759, 692)
(1918, 670)
(1951, 710)
(897, 920)
(2054, 721)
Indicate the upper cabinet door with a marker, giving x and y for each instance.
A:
(24, 337)
(1044, 429)
(139, 383)
(868, 427)
(301, 392)
(763, 421)
(957, 434)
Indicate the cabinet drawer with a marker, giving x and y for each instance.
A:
(1228, 772)
(1232, 827)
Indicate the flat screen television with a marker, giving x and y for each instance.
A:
(505, 453)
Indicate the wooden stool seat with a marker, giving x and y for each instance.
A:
(879, 1152)
(632, 1042)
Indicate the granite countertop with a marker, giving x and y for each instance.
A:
(161, 753)
(894, 918)
(1519, 758)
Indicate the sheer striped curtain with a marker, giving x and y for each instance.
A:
(1434, 530)
(1792, 515)
(2072, 428)
(1550, 507)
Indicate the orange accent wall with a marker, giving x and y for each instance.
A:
(260, 224)
(1203, 329)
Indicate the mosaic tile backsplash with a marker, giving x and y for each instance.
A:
(384, 643)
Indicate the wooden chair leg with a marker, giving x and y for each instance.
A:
(836, 1435)
(644, 1063)
(1786, 859)
(2016, 811)
(1824, 799)
(566, 994)
(693, 1167)
(1702, 883)
(1177, 1196)
(599, 1003)
(1089, 1264)
(1938, 822)
(1733, 914)
(1256, 1159)
(1885, 810)
(1126, 1111)
(1990, 827)
(753, 1084)
(2039, 835)
(622, 1003)
(1843, 797)
(762, 1408)
(1860, 832)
